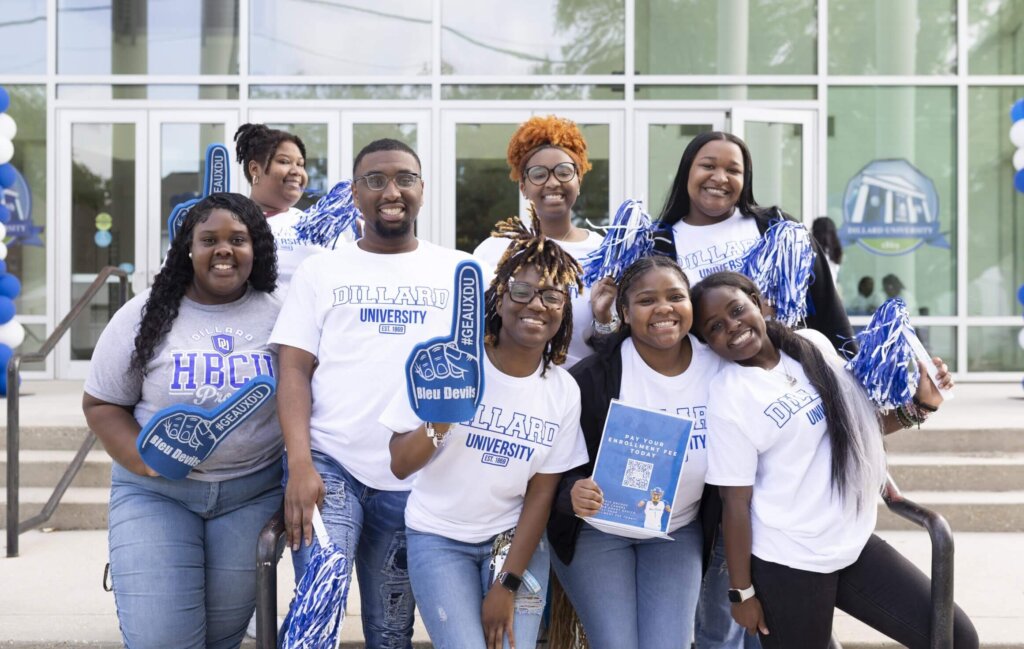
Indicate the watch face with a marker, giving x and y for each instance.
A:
(734, 596)
(510, 581)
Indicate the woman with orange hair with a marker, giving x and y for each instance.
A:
(547, 156)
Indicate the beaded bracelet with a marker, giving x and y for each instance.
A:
(902, 418)
(924, 406)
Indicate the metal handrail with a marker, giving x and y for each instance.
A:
(268, 553)
(14, 527)
(941, 622)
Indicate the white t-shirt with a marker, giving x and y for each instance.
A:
(474, 486)
(291, 252)
(705, 249)
(685, 395)
(491, 249)
(773, 436)
(360, 314)
(653, 511)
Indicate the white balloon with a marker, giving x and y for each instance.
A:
(1020, 338)
(1018, 159)
(12, 334)
(3, 232)
(8, 127)
(7, 150)
(3, 250)
(1017, 133)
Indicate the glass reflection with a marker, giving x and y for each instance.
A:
(536, 37)
(884, 37)
(994, 37)
(182, 165)
(665, 145)
(23, 36)
(777, 152)
(314, 137)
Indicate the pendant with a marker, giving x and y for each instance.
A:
(791, 380)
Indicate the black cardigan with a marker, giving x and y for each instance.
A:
(600, 379)
(824, 307)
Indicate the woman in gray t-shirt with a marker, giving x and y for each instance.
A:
(181, 550)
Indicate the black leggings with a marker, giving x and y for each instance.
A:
(882, 589)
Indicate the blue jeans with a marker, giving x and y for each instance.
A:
(451, 578)
(369, 524)
(183, 556)
(634, 593)
(715, 627)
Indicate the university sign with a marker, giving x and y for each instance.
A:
(891, 208)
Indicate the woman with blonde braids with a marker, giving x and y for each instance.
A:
(547, 156)
(485, 487)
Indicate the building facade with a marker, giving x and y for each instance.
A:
(890, 117)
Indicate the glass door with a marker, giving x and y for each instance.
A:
(476, 191)
(661, 137)
(781, 145)
(100, 219)
(319, 130)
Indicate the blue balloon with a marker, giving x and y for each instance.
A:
(1020, 294)
(5, 215)
(5, 99)
(1017, 110)
(8, 176)
(6, 309)
(1018, 180)
(3, 266)
(10, 286)
(5, 355)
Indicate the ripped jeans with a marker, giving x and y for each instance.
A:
(370, 525)
(451, 578)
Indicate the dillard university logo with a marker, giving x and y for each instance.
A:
(891, 208)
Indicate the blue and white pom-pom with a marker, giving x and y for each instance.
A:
(781, 263)
(316, 614)
(629, 237)
(885, 362)
(326, 221)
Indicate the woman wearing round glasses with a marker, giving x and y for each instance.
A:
(548, 158)
(481, 500)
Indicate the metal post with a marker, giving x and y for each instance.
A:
(267, 555)
(13, 452)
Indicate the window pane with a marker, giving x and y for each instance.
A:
(665, 145)
(23, 37)
(535, 37)
(338, 92)
(892, 191)
(357, 37)
(995, 349)
(183, 165)
(592, 204)
(484, 194)
(521, 92)
(995, 240)
(102, 182)
(777, 148)
(172, 92)
(995, 38)
(726, 92)
(147, 37)
(26, 199)
(314, 137)
(886, 37)
(745, 37)
(363, 134)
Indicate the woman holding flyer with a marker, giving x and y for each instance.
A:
(181, 551)
(476, 514)
(799, 459)
(653, 362)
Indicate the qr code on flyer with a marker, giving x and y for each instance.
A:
(638, 475)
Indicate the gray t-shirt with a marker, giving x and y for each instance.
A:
(210, 352)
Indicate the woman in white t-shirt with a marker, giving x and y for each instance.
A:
(547, 157)
(634, 592)
(485, 486)
(274, 163)
(799, 459)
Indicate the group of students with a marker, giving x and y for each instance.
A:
(772, 522)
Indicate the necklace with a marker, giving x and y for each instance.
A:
(790, 379)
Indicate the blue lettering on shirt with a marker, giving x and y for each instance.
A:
(782, 409)
(514, 424)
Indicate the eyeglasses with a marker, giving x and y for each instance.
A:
(524, 292)
(377, 182)
(539, 174)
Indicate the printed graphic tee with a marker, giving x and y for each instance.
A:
(210, 352)
(773, 436)
(685, 395)
(360, 314)
(705, 249)
(291, 252)
(474, 486)
(490, 251)
(653, 511)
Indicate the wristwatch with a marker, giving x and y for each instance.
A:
(434, 435)
(740, 595)
(509, 581)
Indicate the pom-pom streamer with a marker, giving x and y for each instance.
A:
(326, 221)
(781, 263)
(318, 609)
(885, 360)
(628, 238)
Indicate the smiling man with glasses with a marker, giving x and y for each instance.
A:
(354, 315)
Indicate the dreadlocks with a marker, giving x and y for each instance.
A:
(556, 267)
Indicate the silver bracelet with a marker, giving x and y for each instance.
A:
(604, 329)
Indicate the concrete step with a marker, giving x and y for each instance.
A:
(48, 438)
(958, 472)
(45, 468)
(82, 508)
(966, 511)
(960, 440)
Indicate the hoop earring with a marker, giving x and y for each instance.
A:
(190, 255)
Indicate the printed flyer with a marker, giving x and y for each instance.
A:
(638, 467)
